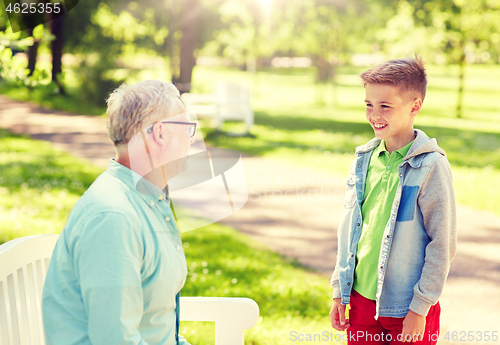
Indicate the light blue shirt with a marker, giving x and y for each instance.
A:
(116, 268)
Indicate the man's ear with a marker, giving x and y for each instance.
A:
(159, 134)
(416, 107)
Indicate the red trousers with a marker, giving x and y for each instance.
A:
(365, 330)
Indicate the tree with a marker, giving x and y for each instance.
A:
(106, 35)
(32, 54)
(56, 27)
(245, 32)
(11, 42)
(328, 31)
(463, 31)
(189, 14)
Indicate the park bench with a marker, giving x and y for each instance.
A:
(227, 102)
(23, 265)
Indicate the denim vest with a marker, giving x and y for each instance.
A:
(403, 251)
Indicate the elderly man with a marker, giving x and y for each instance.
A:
(118, 266)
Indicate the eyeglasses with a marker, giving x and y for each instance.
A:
(190, 127)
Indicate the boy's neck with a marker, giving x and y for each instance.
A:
(394, 144)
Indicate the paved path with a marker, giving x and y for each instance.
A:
(295, 211)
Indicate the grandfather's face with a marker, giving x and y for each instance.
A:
(178, 137)
(171, 150)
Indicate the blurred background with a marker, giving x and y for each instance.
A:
(99, 44)
(300, 59)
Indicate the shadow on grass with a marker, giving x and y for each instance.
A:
(45, 96)
(39, 167)
(292, 123)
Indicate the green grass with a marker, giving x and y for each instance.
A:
(40, 185)
(223, 262)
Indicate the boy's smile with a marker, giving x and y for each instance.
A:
(390, 117)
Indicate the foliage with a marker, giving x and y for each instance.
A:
(322, 29)
(104, 35)
(11, 43)
(402, 37)
(244, 34)
(461, 27)
(8, 42)
(14, 71)
(447, 31)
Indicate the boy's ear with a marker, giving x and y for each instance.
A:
(416, 107)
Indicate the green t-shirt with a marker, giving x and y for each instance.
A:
(380, 189)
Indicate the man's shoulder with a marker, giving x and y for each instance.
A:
(105, 206)
(106, 194)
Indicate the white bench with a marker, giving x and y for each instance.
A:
(23, 266)
(227, 102)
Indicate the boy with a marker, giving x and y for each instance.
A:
(397, 234)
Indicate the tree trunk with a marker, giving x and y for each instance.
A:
(189, 19)
(323, 70)
(32, 54)
(461, 85)
(56, 47)
(171, 42)
(323, 73)
(335, 89)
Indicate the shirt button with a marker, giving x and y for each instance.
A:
(388, 167)
(359, 224)
(152, 203)
(160, 197)
(348, 284)
(167, 219)
(400, 175)
(352, 255)
(178, 247)
(388, 236)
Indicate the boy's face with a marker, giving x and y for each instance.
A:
(390, 117)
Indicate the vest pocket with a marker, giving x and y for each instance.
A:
(350, 192)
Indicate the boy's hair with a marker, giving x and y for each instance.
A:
(407, 74)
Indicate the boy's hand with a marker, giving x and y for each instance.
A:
(413, 327)
(337, 316)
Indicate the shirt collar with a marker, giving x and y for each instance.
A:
(148, 191)
(402, 151)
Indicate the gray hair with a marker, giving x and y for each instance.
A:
(131, 108)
